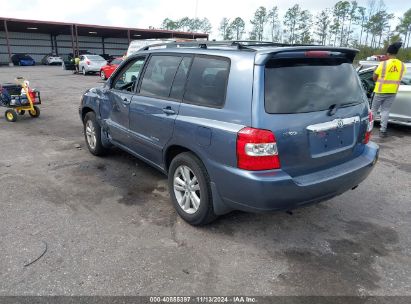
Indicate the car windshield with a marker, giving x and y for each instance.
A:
(308, 85)
(26, 57)
(95, 57)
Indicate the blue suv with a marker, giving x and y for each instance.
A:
(238, 126)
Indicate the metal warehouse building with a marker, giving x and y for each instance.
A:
(39, 38)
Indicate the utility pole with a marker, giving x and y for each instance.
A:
(196, 10)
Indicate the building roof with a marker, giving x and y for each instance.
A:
(64, 28)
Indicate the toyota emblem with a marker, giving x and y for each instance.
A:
(340, 123)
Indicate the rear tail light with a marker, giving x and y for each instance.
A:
(257, 150)
(88, 62)
(370, 126)
(317, 54)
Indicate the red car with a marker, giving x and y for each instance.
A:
(107, 70)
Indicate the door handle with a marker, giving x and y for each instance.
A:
(169, 111)
(126, 100)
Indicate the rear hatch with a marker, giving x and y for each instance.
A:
(314, 103)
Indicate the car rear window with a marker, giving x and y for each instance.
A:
(207, 81)
(310, 85)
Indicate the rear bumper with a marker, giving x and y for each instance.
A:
(276, 190)
(92, 69)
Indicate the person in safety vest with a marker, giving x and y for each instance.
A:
(388, 77)
(77, 63)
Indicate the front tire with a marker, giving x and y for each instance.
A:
(190, 191)
(92, 134)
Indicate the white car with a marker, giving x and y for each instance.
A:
(91, 63)
(51, 59)
(400, 112)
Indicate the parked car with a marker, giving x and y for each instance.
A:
(109, 68)
(108, 57)
(22, 59)
(400, 112)
(91, 63)
(68, 62)
(52, 59)
(377, 58)
(238, 127)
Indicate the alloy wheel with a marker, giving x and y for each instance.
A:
(187, 189)
(91, 134)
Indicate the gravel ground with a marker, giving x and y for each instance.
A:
(110, 228)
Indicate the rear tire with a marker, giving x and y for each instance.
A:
(35, 112)
(190, 191)
(92, 134)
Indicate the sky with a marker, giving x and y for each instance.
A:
(145, 13)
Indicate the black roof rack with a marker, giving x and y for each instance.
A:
(237, 44)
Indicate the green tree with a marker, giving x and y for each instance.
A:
(291, 21)
(340, 10)
(274, 22)
(194, 25)
(371, 10)
(304, 27)
(352, 18)
(258, 22)
(205, 26)
(169, 24)
(360, 20)
(322, 26)
(404, 28)
(184, 23)
(237, 28)
(377, 24)
(225, 29)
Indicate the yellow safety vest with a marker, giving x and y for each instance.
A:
(389, 73)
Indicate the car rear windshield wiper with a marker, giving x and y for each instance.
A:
(334, 107)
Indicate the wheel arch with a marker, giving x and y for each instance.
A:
(171, 152)
(86, 110)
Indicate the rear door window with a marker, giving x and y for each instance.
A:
(159, 75)
(309, 85)
(207, 81)
(177, 91)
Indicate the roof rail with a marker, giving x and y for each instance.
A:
(237, 44)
